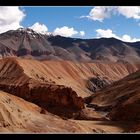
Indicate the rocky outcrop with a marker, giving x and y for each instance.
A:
(20, 116)
(57, 99)
(96, 83)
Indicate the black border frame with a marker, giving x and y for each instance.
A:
(69, 3)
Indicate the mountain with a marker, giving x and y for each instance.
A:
(45, 96)
(129, 97)
(120, 100)
(58, 84)
(25, 42)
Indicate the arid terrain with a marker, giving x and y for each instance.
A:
(52, 84)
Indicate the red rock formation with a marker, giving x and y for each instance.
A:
(20, 116)
(54, 98)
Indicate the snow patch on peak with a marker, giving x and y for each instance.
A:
(26, 30)
(31, 32)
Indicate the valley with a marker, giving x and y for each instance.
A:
(54, 84)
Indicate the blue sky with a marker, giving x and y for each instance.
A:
(54, 17)
(80, 22)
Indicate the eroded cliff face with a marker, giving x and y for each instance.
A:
(58, 99)
(20, 116)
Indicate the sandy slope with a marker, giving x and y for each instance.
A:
(124, 88)
(121, 100)
(20, 116)
(72, 74)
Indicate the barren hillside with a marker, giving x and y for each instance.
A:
(78, 76)
(120, 100)
(57, 87)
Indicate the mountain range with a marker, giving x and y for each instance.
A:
(24, 42)
(58, 84)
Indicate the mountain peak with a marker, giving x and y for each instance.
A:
(28, 30)
(33, 32)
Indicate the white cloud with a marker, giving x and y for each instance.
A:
(99, 13)
(105, 33)
(82, 33)
(10, 18)
(109, 33)
(40, 28)
(126, 38)
(65, 31)
(129, 11)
